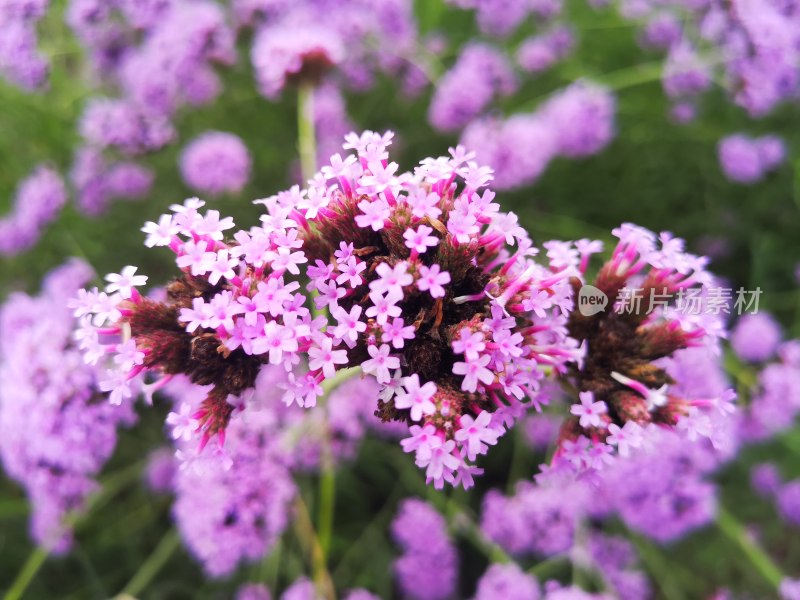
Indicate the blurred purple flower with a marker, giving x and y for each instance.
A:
(215, 163)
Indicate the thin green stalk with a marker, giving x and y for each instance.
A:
(734, 530)
(307, 141)
(113, 485)
(304, 529)
(154, 563)
(661, 573)
(27, 573)
(327, 497)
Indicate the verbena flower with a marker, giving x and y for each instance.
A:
(232, 504)
(656, 300)
(305, 40)
(539, 53)
(574, 122)
(756, 337)
(21, 63)
(56, 429)
(215, 163)
(480, 74)
(747, 160)
(507, 581)
(428, 566)
(37, 202)
(97, 181)
(775, 397)
(420, 291)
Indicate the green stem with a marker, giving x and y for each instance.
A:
(307, 141)
(656, 567)
(28, 572)
(154, 563)
(327, 497)
(310, 540)
(113, 485)
(734, 530)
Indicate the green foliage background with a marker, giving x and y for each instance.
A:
(654, 173)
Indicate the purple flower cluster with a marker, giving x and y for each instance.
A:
(768, 483)
(232, 505)
(20, 61)
(577, 121)
(615, 559)
(661, 492)
(775, 398)
(413, 284)
(747, 160)
(630, 379)
(428, 566)
(97, 182)
(507, 581)
(56, 429)
(161, 55)
(301, 41)
(37, 202)
(540, 518)
(500, 18)
(480, 74)
(750, 45)
(216, 163)
(756, 337)
(539, 53)
(119, 124)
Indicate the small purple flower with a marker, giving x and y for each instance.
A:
(216, 163)
(428, 567)
(37, 202)
(507, 581)
(747, 160)
(755, 337)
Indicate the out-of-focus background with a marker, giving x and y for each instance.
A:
(654, 171)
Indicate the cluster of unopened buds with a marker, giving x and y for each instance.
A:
(417, 279)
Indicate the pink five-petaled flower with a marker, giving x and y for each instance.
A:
(375, 213)
(420, 441)
(183, 425)
(222, 266)
(442, 461)
(420, 240)
(160, 234)
(128, 356)
(474, 371)
(125, 281)
(351, 272)
(417, 398)
(397, 332)
(323, 356)
(433, 280)
(196, 258)
(625, 438)
(276, 340)
(469, 343)
(476, 434)
(384, 306)
(380, 363)
(348, 326)
(589, 411)
(391, 278)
